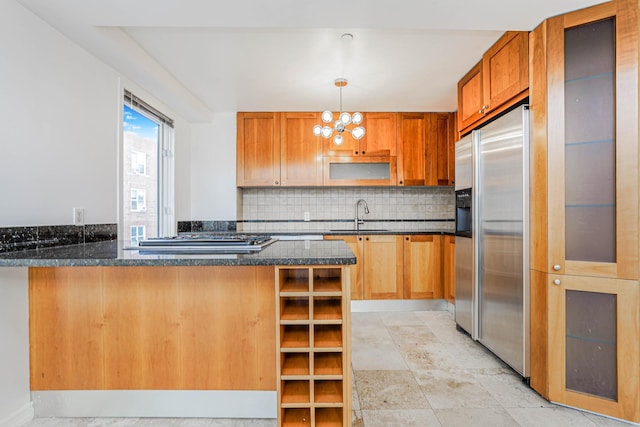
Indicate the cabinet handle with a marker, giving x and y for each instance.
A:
(407, 238)
(556, 267)
(363, 152)
(360, 238)
(556, 282)
(277, 183)
(400, 182)
(366, 238)
(356, 153)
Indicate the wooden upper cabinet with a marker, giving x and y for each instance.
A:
(409, 149)
(425, 148)
(470, 97)
(380, 136)
(378, 141)
(505, 69)
(412, 144)
(258, 149)
(499, 80)
(301, 151)
(441, 148)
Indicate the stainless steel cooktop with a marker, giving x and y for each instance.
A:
(206, 243)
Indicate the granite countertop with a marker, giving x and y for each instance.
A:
(112, 253)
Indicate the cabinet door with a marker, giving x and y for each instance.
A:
(470, 97)
(448, 267)
(593, 331)
(592, 147)
(440, 149)
(383, 267)
(505, 69)
(423, 267)
(585, 220)
(355, 243)
(258, 149)
(380, 136)
(412, 143)
(301, 151)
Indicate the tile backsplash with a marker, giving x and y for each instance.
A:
(401, 208)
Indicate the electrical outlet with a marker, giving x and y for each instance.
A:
(307, 216)
(78, 216)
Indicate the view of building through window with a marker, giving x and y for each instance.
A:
(140, 176)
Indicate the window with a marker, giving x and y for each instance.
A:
(138, 200)
(138, 163)
(147, 172)
(137, 234)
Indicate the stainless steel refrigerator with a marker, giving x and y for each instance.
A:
(500, 238)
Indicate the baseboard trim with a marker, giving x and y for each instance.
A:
(19, 417)
(364, 306)
(155, 403)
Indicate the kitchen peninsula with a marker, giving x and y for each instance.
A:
(117, 333)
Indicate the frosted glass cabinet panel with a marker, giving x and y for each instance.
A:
(590, 142)
(591, 343)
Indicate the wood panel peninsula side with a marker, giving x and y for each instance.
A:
(117, 333)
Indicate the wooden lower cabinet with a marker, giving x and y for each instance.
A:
(356, 273)
(449, 267)
(422, 276)
(152, 328)
(313, 336)
(383, 270)
(418, 266)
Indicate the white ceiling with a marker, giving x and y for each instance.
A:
(205, 56)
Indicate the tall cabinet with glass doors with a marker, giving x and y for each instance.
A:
(585, 326)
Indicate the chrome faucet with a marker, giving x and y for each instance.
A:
(359, 221)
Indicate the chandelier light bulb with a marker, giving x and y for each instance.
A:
(327, 116)
(345, 118)
(357, 118)
(358, 132)
(337, 139)
(326, 132)
(317, 130)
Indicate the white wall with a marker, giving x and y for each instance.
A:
(60, 115)
(213, 168)
(59, 119)
(15, 398)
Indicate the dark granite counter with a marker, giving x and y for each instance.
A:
(350, 232)
(112, 253)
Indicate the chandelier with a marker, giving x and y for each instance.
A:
(344, 119)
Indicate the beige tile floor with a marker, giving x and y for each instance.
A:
(413, 369)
